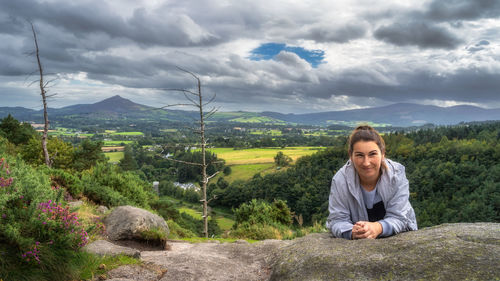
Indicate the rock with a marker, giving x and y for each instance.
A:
(127, 222)
(463, 251)
(102, 209)
(75, 204)
(132, 273)
(212, 261)
(105, 248)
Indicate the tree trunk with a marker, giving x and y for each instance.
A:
(44, 100)
(204, 165)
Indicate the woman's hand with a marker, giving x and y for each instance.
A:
(364, 229)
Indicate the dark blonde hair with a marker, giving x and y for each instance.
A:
(366, 133)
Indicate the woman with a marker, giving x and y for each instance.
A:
(369, 194)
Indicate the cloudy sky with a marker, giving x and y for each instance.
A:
(286, 56)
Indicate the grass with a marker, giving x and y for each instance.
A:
(267, 132)
(114, 156)
(356, 123)
(117, 143)
(255, 119)
(260, 155)
(246, 172)
(91, 265)
(169, 130)
(128, 134)
(222, 240)
(223, 222)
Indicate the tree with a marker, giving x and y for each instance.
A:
(43, 93)
(195, 99)
(88, 154)
(128, 163)
(282, 160)
(16, 132)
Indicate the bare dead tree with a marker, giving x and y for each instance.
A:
(43, 92)
(195, 99)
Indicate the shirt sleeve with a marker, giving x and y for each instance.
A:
(347, 235)
(387, 229)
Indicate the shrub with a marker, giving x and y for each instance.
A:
(106, 184)
(261, 212)
(260, 220)
(177, 231)
(104, 195)
(38, 236)
(72, 183)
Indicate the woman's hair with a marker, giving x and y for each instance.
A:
(366, 133)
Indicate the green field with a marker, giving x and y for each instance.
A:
(116, 143)
(261, 155)
(357, 123)
(169, 130)
(266, 132)
(114, 157)
(256, 119)
(223, 222)
(128, 134)
(246, 172)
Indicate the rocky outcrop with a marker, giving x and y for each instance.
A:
(447, 252)
(214, 261)
(105, 248)
(131, 223)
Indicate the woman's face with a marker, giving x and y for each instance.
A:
(367, 158)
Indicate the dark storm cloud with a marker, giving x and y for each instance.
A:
(421, 34)
(465, 84)
(97, 17)
(340, 34)
(440, 10)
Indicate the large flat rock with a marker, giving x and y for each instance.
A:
(463, 251)
(106, 248)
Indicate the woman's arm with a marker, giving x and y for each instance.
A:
(399, 212)
(339, 220)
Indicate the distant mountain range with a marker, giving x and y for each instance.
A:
(400, 114)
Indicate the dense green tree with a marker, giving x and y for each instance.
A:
(16, 132)
(88, 154)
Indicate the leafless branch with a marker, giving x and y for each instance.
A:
(213, 175)
(211, 100)
(177, 104)
(181, 90)
(213, 198)
(185, 162)
(211, 112)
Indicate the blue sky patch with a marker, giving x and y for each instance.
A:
(270, 50)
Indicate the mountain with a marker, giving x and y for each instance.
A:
(115, 104)
(400, 114)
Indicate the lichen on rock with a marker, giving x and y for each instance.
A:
(463, 251)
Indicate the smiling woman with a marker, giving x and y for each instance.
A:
(369, 195)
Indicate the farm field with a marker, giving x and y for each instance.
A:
(246, 172)
(117, 143)
(261, 155)
(223, 222)
(114, 157)
(127, 134)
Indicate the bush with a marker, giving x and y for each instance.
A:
(260, 220)
(38, 236)
(115, 186)
(72, 183)
(261, 231)
(104, 195)
(177, 231)
(261, 212)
